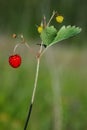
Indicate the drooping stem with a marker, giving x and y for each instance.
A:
(34, 90)
(16, 47)
(30, 49)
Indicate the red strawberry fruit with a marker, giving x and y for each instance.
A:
(15, 60)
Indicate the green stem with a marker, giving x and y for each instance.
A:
(34, 91)
(33, 94)
(36, 78)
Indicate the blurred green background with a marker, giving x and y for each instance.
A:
(61, 97)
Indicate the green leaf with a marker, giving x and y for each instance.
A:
(65, 33)
(51, 36)
(48, 35)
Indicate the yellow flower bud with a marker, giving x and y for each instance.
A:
(40, 29)
(59, 18)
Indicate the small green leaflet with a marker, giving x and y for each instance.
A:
(51, 36)
(48, 35)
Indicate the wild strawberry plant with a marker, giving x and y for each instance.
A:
(49, 36)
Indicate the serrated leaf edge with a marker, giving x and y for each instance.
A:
(63, 27)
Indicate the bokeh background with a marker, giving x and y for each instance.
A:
(61, 97)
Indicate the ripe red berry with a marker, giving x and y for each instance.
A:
(15, 60)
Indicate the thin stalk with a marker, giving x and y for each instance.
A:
(51, 18)
(44, 50)
(30, 49)
(16, 47)
(36, 78)
(34, 90)
(33, 94)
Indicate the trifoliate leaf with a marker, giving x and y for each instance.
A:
(48, 35)
(51, 36)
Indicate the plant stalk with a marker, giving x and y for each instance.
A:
(34, 90)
